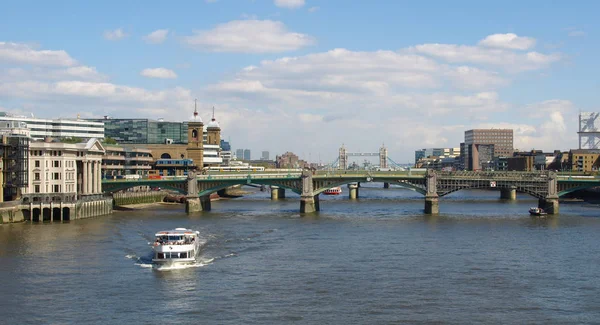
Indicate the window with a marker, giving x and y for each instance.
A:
(56, 188)
(37, 163)
(56, 163)
(55, 175)
(36, 177)
(36, 189)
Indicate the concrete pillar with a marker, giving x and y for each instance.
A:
(98, 178)
(549, 204)
(353, 191)
(508, 194)
(51, 211)
(386, 185)
(308, 201)
(192, 204)
(205, 203)
(309, 204)
(84, 178)
(432, 205)
(277, 193)
(88, 185)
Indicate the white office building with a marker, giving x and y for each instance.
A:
(64, 171)
(57, 128)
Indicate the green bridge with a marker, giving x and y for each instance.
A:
(547, 186)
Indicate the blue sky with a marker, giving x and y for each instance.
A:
(307, 76)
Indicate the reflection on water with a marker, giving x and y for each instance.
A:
(377, 259)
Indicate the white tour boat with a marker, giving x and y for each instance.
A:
(177, 246)
(333, 191)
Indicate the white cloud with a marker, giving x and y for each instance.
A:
(25, 54)
(156, 37)
(37, 73)
(249, 36)
(509, 60)
(161, 73)
(115, 35)
(508, 41)
(313, 9)
(575, 32)
(290, 4)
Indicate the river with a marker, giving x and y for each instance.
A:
(377, 260)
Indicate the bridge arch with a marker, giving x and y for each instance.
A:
(519, 189)
(575, 189)
(207, 189)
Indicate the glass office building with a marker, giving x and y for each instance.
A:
(145, 131)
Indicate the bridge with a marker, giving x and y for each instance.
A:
(546, 186)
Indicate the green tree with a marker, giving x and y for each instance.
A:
(109, 140)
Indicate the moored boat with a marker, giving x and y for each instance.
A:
(177, 246)
(534, 211)
(333, 191)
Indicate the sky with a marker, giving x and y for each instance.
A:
(309, 76)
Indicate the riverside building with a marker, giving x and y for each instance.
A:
(481, 146)
(57, 128)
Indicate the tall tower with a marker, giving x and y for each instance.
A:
(195, 147)
(213, 131)
(343, 158)
(383, 155)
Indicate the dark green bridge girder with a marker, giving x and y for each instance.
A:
(447, 182)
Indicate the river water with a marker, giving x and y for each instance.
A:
(377, 260)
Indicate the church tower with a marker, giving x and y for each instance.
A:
(195, 147)
(213, 131)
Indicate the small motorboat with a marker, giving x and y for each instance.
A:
(537, 211)
(177, 246)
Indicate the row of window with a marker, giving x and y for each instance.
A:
(39, 153)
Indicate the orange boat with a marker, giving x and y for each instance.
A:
(333, 191)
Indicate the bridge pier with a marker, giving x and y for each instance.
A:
(508, 193)
(386, 185)
(549, 204)
(277, 193)
(432, 204)
(308, 201)
(353, 191)
(192, 204)
(309, 204)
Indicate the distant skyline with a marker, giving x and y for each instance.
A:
(310, 75)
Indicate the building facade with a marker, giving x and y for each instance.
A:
(264, 155)
(144, 131)
(121, 161)
(584, 160)
(64, 172)
(57, 128)
(501, 139)
(14, 154)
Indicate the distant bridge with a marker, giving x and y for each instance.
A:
(546, 186)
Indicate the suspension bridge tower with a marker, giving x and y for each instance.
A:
(343, 158)
(383, 157)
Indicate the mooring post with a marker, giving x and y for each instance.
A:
(431, 197)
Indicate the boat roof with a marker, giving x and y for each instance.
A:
(177, 232)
